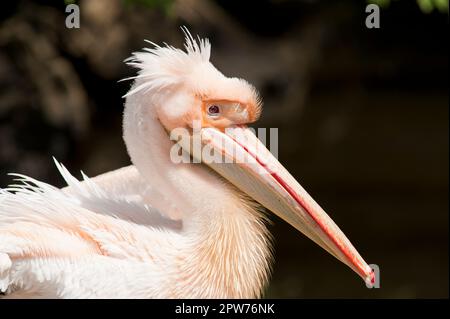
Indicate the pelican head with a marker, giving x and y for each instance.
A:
(182, 90)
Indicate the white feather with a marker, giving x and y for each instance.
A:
(40, 224)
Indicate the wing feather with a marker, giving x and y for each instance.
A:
(87, 218)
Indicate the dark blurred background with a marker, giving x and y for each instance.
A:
(362, 116)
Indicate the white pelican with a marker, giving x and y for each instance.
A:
(159, 229)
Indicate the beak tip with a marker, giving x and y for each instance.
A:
(370, 278)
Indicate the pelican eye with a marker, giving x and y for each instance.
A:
(214, 110)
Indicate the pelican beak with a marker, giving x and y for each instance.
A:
(250, 166)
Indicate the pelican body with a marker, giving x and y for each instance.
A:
(161, 228)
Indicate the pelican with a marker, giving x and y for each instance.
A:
(161, 228)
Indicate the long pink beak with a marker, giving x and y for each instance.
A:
(247, 164)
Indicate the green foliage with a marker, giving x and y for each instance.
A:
(429, 5)
(380, 3)
(426, 6)
(165, 5)
(159, 4)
